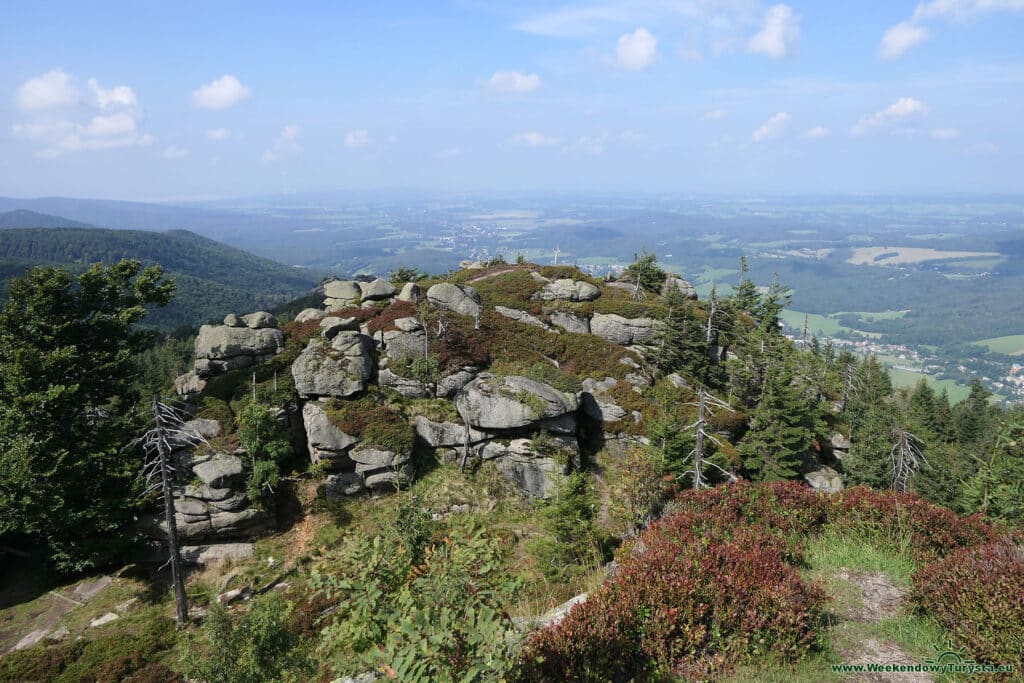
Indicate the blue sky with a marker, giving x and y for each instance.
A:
(185, 100)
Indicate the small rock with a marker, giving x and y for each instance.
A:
(308, 314)
(260, 320)
(411, 292)
(105, 619)
(232, 320)
(60, 634)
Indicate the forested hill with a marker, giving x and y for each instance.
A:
(23, 218)
(212, 277)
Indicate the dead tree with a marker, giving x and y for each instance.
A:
(706, 405)
(906, 456)
(159, 471)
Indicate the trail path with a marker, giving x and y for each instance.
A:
(877, 599)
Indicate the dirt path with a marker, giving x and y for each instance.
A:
(876, 598)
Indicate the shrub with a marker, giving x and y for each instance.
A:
(689, 604)
(439, 619)
(386, 319)
(253, 646)
(934, 531)
(572, 545)
(371, 418)
(976, 594)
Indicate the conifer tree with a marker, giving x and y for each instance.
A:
(781, 429)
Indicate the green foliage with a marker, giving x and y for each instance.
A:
(67, 409)
(573, 544)
(998, 487)
(645, 268)
(256, 645)
(120, 656)
(439, 619)
(212, 278)
(264, 440)
(782, 429)
(403, 274)
(374, 419)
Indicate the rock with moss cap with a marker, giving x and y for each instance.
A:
(511, 402)
(340, 369)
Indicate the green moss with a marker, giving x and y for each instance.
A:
(620, 302)
(434, 409)
(374, 419)
(512, 290)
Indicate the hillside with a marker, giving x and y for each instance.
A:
(23, 218)
(519, 472)
(212, 277)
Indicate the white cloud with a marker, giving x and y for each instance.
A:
(532, 138)
(637, 50)
(118, 96)
(513, 81)
(355, 139)
(449, 153)
(900, 110)
(594, 144)
(715, 115)
(572, 22)
(772, 128)
(285, 144)
(173, 152)
(945, 133)
(223, 93)
(816, 133)
(218, 134)
(900, 38)
(52, 90)
(778, 34)
(630, 135)
(108, 119)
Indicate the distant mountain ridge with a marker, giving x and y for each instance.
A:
(23, 218)
(212, 277)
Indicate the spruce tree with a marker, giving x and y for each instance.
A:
(781, 429)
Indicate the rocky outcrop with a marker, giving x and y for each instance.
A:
(568, 290)
(341, 294)
(824, 479)
(410, 388)
(622, 331)
(309, 314)
(406, 341)
(220, 348)
(339, 369)
(512, 402)
(378, 290)
(325, 441)
(216, 507)
(521, 316)
(461, 299)
(445, 434)
(411, 293)
(595, 402)
(381, 468)
(570, 322)
(680, 285)
(450, 384)
(332, 325)
(260, 320)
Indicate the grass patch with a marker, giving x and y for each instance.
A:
(1011, 345)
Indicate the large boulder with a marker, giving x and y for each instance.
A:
(680, 285)
(332, 325)
(824, 479)
(411, 293)
(449, 385)
(309, 314)
(377, 290)
(570, 322)
(512, 402)
(259, 320)
(219, 348)
(347, 290)
(324, 440)
(521, 316)
(410, 388)
(220, 471)
(340, 369)
(624, 331)
(382, 468)
(597, 404)
(445, 434)
(569, 290)
(461, 299)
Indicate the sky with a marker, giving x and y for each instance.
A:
(202, 100)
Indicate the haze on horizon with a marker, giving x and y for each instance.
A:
(201, 100)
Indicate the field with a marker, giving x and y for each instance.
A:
(908, 378)
(1012, 345)
(891, 256)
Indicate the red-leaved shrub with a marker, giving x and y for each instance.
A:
(978, 594)
(933, 531)
(709, 588)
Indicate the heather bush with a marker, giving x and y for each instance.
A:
(934, 531)
(702, 589)
(976, 593)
